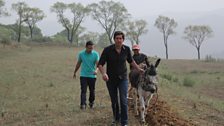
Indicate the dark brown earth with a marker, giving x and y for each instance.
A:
(160, 114)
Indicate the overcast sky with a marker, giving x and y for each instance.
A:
(139, 9)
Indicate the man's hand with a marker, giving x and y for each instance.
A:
(74, 75)
(105, 77)
(95, 72)
(141, 70)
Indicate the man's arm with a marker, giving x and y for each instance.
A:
(78, 64)
(133, 64)
(101, 63)
(95, 72)
(104, 74)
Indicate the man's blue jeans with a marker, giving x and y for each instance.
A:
(114, 86)
(87, 82)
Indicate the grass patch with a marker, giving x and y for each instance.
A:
(188, 82)
(166, 76)
(38, 80)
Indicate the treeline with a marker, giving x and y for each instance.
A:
(110, 15)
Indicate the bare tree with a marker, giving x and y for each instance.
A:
(110, 15)
(33, 15)
(166, 26)
(21, 9)
(135, 29)
(196, 35)
(78, 11)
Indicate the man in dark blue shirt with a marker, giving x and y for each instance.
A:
(139, 57)
(116, 56)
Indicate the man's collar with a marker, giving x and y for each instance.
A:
(123, 47)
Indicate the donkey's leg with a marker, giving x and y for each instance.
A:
(130, 92)
(135, 96)
(142, 105)
(148, 98)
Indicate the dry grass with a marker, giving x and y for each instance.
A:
(202, 102)
(36, 88)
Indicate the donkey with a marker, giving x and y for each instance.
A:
(145, 85)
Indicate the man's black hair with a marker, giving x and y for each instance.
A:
(89, 43)
(118, 33)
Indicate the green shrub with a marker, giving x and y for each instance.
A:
(175, 79)
(5, 41)
(167, 76)
(188, 82)
(218, 78)
(194, 72)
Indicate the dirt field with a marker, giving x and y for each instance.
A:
(37, 89)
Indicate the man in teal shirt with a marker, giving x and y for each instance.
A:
(88, 60)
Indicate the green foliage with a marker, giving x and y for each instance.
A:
(41, 39)
(78, 12)
(194, 71)
(59, 39)
(196, 35)
(175, 79)
(166, 26)
(188, 82)
(5, 41)
(33, 16)
(7, 32)
(135, 29)
(110, 15)
(11, 32)
(167, 76)
(103, 40)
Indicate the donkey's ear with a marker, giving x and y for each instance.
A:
(157, 62)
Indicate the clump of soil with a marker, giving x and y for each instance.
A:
(160, 114)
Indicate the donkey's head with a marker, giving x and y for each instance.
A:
(150, 77)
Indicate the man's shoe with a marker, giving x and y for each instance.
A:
(115, 123)
(83, 107)
(91, 105)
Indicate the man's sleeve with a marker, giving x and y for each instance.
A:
(129, 57)
(79, 57)
(146, 60)
(97, 56)
(103, 58)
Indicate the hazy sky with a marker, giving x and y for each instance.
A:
(137, 8)
(140, 9)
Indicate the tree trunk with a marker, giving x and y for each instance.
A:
(31, 32)
(72, 36)
(111, 42)
(166, 51)
(110, 37)
(70, 41)
(198, 49)
(68, 35)
(19, 34)
(165, 43)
